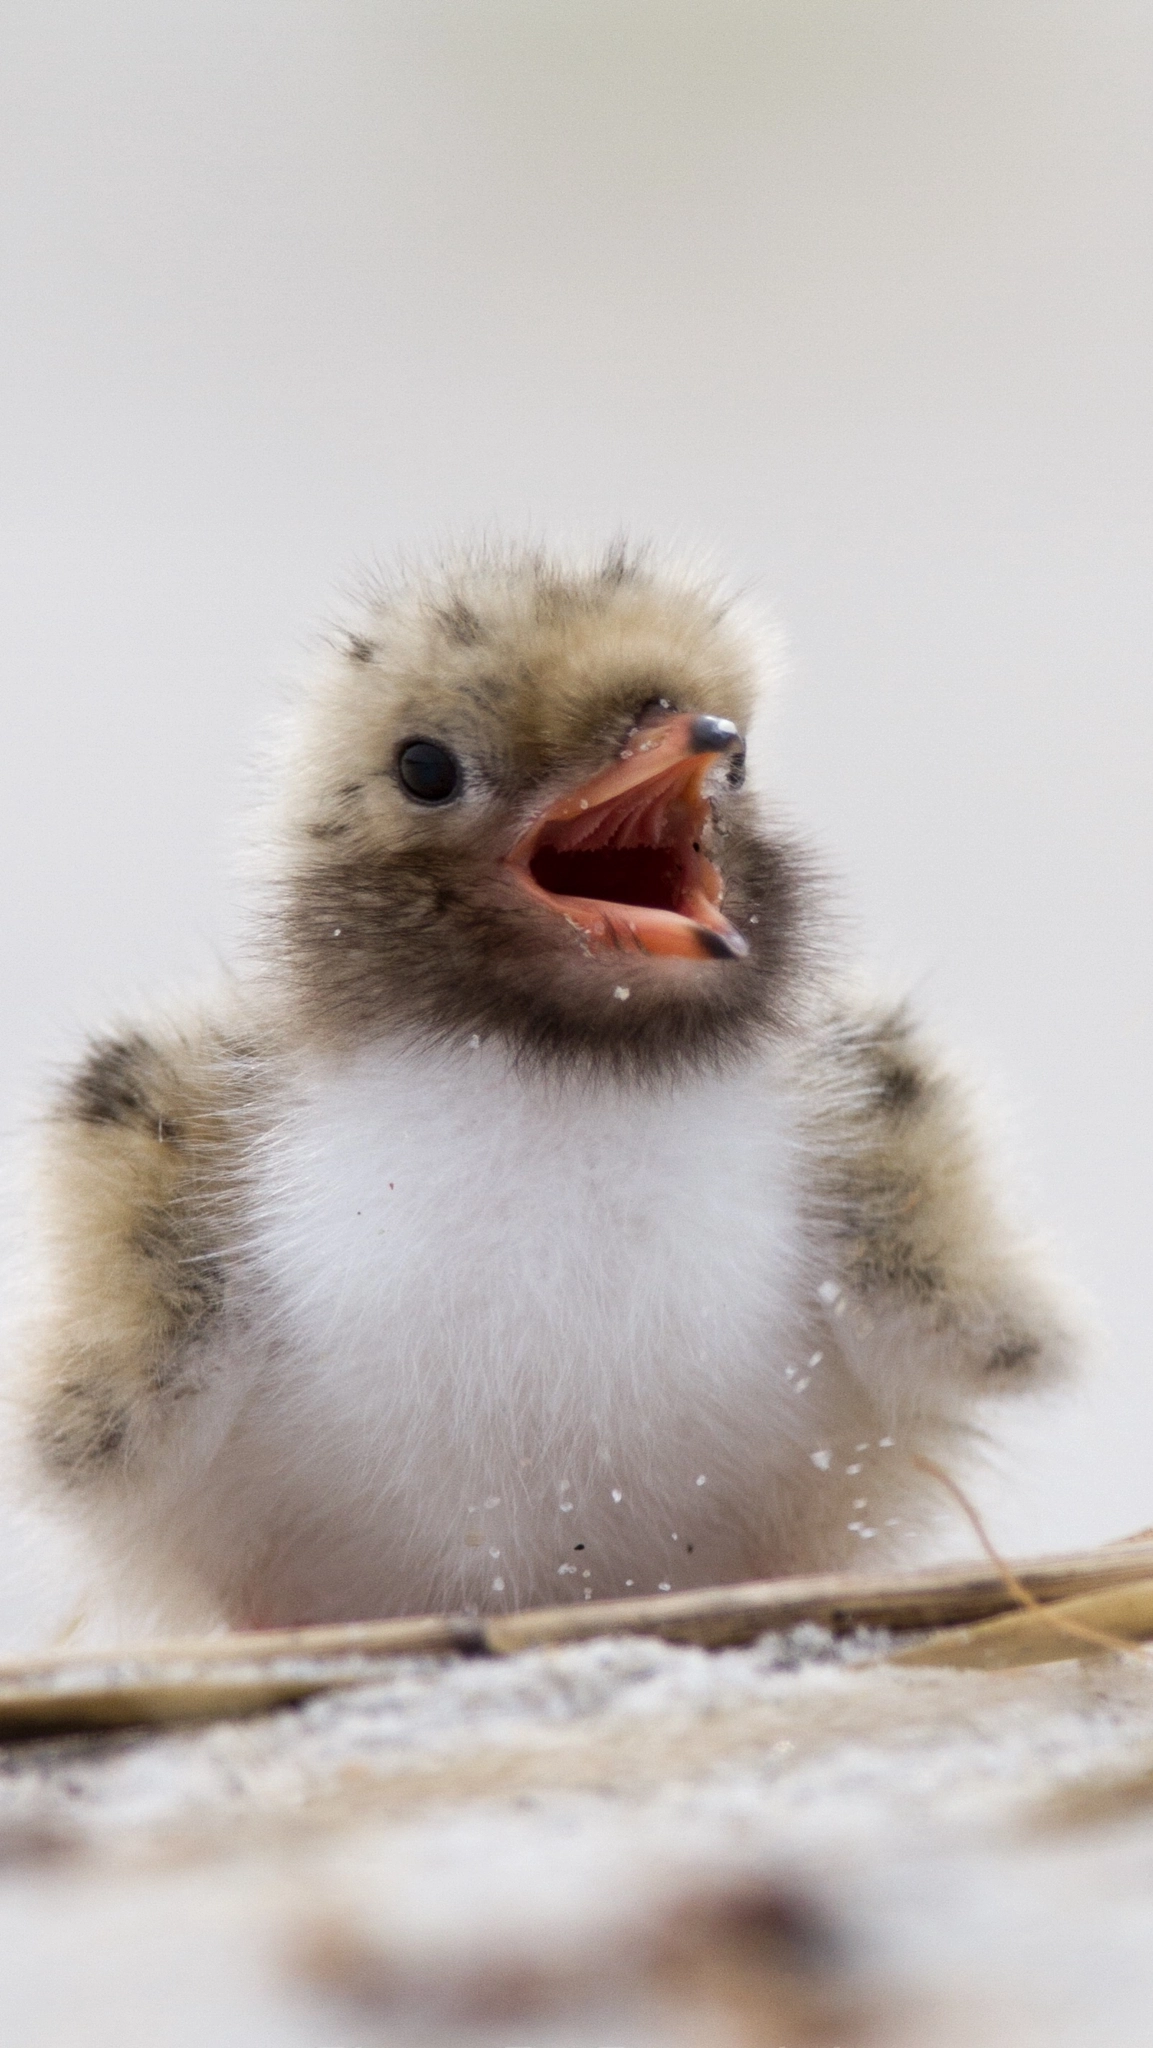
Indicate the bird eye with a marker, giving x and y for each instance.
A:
(428, 771)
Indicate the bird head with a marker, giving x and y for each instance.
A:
(515, 807)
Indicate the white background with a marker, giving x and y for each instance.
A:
(855, 293)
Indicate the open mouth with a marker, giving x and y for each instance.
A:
(621, 859)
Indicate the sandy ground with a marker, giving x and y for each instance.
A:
(617, 1845)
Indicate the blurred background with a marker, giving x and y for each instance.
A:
(854, 293)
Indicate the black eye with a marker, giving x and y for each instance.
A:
(428, 771)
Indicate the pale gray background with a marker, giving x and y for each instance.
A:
(856, 292)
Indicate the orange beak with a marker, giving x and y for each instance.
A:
(620, 858)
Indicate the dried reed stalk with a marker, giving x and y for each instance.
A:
(1091, 1625)
(209, 1677)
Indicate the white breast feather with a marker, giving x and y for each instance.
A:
(484, 1286)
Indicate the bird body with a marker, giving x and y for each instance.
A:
(542, 1216)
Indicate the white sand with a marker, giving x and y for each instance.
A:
(488, 1852)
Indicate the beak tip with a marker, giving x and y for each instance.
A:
(730, 945)
(714, 735)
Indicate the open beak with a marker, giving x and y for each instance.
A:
(620, 858)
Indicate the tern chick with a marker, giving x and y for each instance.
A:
(540, 1215)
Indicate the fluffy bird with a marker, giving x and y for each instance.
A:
(541, 1214)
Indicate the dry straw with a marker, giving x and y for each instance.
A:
(984, 1615)
(1103, 1620)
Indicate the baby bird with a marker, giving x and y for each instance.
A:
(541, 1215)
